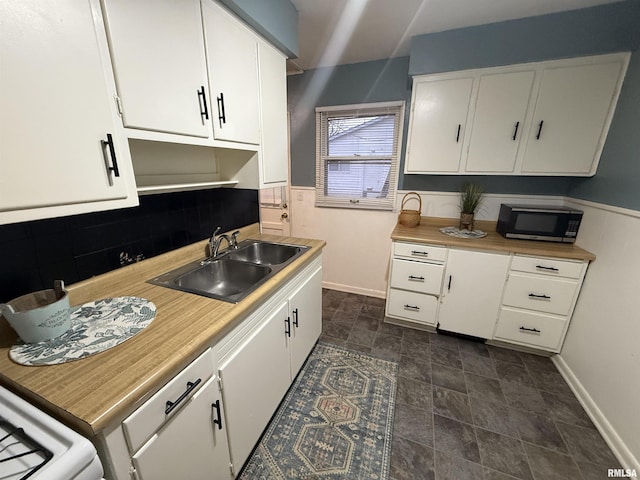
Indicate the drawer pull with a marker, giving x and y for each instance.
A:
(419, 253)
(532, 330)
(218, 419)
(552, 269)
(287, 327)
(170, 406)
(414, 308)
(541, 297)
(416, 279)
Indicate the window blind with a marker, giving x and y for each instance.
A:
(357, 155)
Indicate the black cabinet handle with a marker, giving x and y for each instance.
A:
(218, 419)
(170, 406)
(534, 330)
(222, 118)
(112, 152)
(539, 129)
(295, 318)
(553, 269)
(515, 132)
(416, 279)
(449, 286)
(544, 297)
(415, 308)
(287, 327)
(458, 134)
(420, 253)
(204, 111)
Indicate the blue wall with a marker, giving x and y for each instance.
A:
(276, 20)
(609, 28)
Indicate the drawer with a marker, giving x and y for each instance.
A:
(547, 266)
(416, 276)
(416, 307)
(530, 328)
(145, 421)
(551, 295)
(418, 251)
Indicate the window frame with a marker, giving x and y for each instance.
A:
(395, 108)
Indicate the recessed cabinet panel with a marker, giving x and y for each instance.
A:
(499, 121)
(234, 91)
(472, 291)
(437, 125)
(412, 306)
(157, 51)
(570, 118)
(416, 276)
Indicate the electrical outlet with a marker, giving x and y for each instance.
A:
(300, 196)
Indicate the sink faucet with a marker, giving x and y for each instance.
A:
(215, 240)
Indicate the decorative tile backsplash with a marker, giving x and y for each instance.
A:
(33, 254)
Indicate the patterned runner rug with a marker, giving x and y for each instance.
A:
(334, 424)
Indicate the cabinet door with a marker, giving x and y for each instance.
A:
(571, 114)
(499, 118)
(274, 154)
(254, 381)
(305, 308)
(56, 109)
(233, 76)
(438, 118)
(472, 292)
(191, 444)
(158, 58)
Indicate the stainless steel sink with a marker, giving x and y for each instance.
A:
(233, 274)
(263, 253)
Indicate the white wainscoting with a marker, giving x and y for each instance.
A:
(356, 258)
(600, 358)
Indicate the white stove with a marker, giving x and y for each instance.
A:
(35, 446)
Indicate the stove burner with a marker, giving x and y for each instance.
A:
(19, 453)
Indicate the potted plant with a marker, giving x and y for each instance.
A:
(470, 198)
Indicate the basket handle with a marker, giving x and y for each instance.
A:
(405, 199)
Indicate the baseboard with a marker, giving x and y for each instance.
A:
(618, 447)
(359, 291)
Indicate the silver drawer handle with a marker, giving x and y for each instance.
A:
(416, 279)
(541, 297)
(414, 308)
(419, 252)
(552, 269)
(532, 330)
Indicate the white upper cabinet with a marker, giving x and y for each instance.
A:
(544, 118)
(61, 145)
(437, 124)
(571, 118)
(158, 58)
(498, 123)
(274, 152)
(233, 76)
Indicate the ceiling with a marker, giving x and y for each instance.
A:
(336, 32)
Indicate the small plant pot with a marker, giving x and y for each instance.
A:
(466, 221)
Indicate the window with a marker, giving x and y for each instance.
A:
(357, 155)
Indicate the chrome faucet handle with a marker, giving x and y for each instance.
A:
(212, 242)
(234, 239)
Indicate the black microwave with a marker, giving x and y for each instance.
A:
(536, 222)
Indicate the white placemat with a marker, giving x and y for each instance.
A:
(95, 327)
(456, 232)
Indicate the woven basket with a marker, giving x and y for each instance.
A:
(410, 218)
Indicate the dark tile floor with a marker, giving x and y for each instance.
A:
(466, 410)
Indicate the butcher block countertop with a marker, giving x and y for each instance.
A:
(429, 232)
(95, 392)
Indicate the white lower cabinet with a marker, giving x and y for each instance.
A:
(415, 283)
(193, 443)
(471, 295)
(254, 381)
(260, 361)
